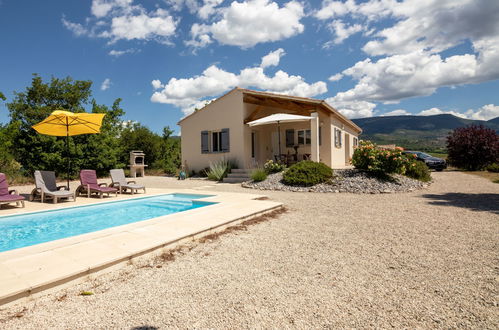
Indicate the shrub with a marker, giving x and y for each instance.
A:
(218, 170)
(473, 147)
(259, 175)
(418, 170)
(493, 168)
(368, 157)
(273, 167)
(307, 173)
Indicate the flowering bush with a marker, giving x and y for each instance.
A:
(273, 167)
(418, 170)
(368, 157)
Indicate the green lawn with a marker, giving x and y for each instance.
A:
(439, 155)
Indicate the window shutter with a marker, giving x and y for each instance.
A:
(225, 140)
(340, 134)
(290, 138)
(205, 148)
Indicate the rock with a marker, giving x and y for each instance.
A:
(345, 181)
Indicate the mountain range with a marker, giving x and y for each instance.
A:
(426, 133)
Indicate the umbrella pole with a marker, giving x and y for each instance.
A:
(67, 150)
(279, 138)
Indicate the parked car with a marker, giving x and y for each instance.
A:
(433, 163)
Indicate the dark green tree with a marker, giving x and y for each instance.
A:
(170, 152)
(135, 136)
(35, 151)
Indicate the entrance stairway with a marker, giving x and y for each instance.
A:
(237, 176)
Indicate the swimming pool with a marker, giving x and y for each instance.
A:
(18, 231)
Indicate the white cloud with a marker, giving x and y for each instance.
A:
(143, 26)
(352, 109)
(412, 44)
(436, 25)
(203, 9)
(336, 77)
(371, 10)
(76, 28)
(342, 31)
(106, 84)
(121, 20)
(398, 112)
(251, 22)
(396, 77)
(118, 53)
(156, 84)
(487, 112)
(186, 93)
(272, 58)
(437, 111)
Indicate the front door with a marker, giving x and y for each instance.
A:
(347, 149)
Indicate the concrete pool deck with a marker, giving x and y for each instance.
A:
(34, 269)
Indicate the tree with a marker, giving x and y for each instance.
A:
(2, 97)
(35, 151)
(135, 136)
(473, 147)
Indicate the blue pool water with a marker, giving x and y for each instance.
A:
(24, 230)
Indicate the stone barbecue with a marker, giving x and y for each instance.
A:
(137, 163)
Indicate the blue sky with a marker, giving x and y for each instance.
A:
(166, 57)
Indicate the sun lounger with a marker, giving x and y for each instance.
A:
(9, 196)
(119, 181)
(89, 185)
(46, 187)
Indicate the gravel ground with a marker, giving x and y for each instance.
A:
(423, 259)
(350, 181)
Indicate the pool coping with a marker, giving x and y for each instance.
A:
(32, 270)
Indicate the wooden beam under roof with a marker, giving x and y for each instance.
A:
(279, 103)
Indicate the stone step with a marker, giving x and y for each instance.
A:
(234, 180)
(238, 175)
(240, 170)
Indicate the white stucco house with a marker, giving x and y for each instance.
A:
(222, 129)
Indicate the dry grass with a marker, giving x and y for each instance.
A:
(244, 225)
(494, 177)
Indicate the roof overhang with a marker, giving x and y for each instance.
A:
(298, 105)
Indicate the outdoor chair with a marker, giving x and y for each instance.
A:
(120, 182)
(9, 196)
(89, 185)
(46, 187)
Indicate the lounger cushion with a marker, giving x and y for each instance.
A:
(4, 186)
(4, 191)
(11, 198)
(118, 175)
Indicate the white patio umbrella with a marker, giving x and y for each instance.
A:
(278, 118)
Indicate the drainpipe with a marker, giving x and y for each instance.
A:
(314, 128)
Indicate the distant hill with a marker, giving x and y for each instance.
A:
(427, 133)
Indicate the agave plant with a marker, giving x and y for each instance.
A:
(218, 170)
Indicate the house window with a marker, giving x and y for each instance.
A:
(290, 138)
(337, 138)
(215, 141)
(304, 137)
(355, 142)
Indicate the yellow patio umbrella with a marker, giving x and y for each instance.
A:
(65, 123)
